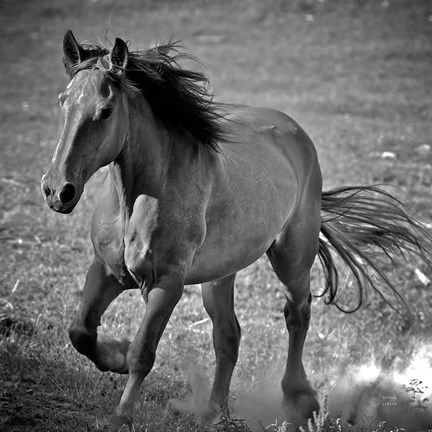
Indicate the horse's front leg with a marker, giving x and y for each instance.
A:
(218, 299)
(161, 301)
(100, 289)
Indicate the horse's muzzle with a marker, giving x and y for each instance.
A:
(61, 199)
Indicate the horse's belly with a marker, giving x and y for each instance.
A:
(238, 237)
(211, 263)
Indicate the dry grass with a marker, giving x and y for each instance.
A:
(355, 74)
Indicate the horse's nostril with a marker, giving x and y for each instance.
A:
(68, 193)
(47, 191)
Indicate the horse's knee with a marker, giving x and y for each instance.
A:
(82, 340)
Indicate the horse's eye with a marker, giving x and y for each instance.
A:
(105, 113)
(61, 98)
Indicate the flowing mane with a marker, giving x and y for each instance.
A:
(179, 98)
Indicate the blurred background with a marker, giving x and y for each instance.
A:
(356, 74)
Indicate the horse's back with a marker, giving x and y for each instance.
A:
(275, 133)
(269, 148)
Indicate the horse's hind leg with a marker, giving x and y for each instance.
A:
(292, 255)
(100, 289)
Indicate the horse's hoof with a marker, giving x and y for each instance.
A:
(112, 355)
(121, 423)
(299, 408)
(115, 424)
(211, 415)
(177, 407)
(208, 414)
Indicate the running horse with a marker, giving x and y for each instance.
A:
(197, 191)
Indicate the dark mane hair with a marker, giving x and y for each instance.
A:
(179, 98)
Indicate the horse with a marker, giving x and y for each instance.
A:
(198, 190)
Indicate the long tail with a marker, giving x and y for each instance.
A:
(369, 229)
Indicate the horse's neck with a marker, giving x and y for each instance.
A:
(149, 153)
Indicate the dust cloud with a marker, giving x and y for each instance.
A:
(366, 395)
(197, 402)
(261, 406)
(361, 396)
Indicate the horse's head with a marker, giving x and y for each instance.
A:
(94, 123)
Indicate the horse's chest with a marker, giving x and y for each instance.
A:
(122, 243)
(107, 238)
(148, 242)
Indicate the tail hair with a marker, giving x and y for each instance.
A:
(369, 229)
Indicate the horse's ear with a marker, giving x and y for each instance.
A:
(119, 56)
(73, 51)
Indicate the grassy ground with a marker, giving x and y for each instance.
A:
(355, 74)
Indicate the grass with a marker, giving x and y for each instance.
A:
(355, 74)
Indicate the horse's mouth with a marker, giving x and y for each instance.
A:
(69, 209)
(63, 209)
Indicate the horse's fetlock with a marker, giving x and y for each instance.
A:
(82, 340)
